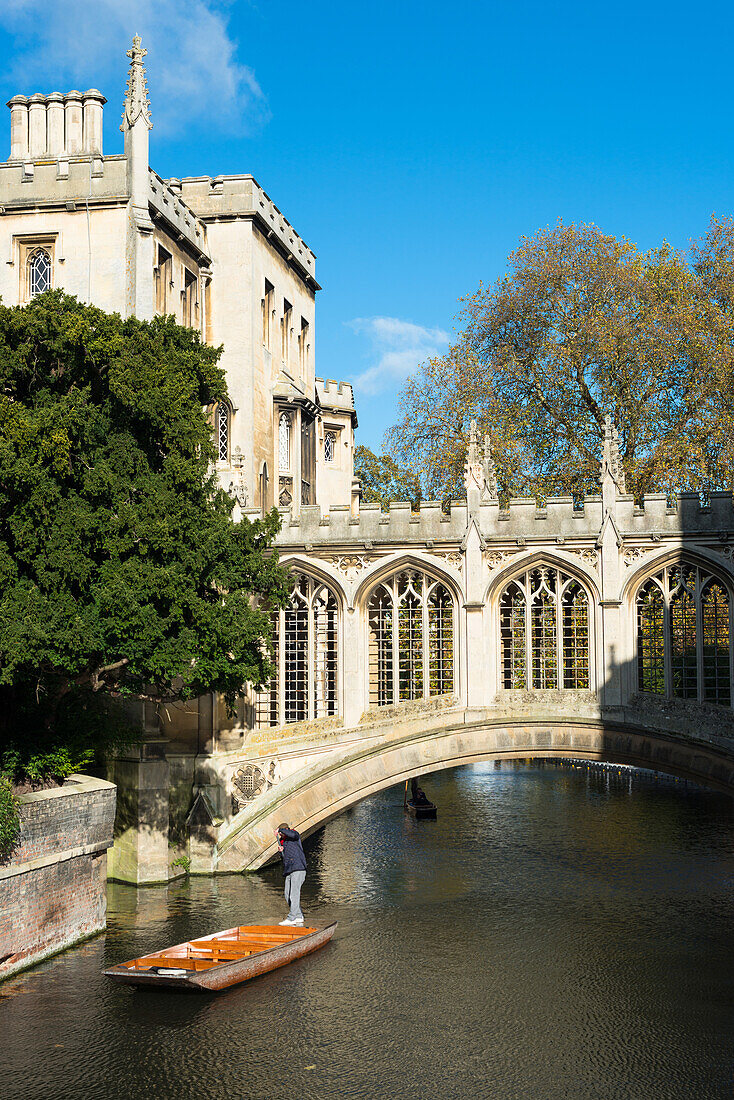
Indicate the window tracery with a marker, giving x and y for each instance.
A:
(684, 635)
(223, 418)
(544, 632)
(411, 639)
(39, 272)
(305, 641)
(284, 441)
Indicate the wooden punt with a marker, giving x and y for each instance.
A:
(418, 805)
(222, 959)
(421, 809)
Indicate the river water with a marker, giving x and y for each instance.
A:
(557, 932)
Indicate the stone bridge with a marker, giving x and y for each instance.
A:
(415, 641)
(312, 778)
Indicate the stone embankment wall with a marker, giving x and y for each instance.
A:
(52, 889)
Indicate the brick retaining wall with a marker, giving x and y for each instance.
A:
(53, 887)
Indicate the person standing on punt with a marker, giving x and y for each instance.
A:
(294, 869)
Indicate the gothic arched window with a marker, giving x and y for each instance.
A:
(39, 272)
(684, 635)
(284, 441)
(544, 631)
(305, 639)
(222, 433)
(411, 639)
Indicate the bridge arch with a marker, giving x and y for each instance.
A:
(321, 791)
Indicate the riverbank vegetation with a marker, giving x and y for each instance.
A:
(122, 572)
(582, 326)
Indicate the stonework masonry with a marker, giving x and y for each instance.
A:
(477, 615)
(53, 887)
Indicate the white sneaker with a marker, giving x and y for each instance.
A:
(289, 921)
(300, 922)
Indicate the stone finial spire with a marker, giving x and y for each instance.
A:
(137, 104)
(490, 473)
(612, 461)
(473, 470)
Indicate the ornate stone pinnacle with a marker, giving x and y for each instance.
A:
(612, 461)
(473, 470)
(137, 104)
(490, 473)
(473, 451)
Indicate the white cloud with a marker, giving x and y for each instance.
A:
(194, 75)
(399, 347)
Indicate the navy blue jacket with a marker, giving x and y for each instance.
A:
(294, 858)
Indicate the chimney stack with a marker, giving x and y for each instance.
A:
(56, 125)
(94, 101)
(18, 127)
(36, 126)
(73, 116)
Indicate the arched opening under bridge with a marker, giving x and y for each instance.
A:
(321, 791)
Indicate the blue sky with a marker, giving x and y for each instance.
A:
(412, 144)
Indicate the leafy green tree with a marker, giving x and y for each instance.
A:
(122, 572)
(383, 480)
(585, 325)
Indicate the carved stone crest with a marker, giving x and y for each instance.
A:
(238, 490)
(250, 780)
(285, 492)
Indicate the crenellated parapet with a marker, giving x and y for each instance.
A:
(523, 521)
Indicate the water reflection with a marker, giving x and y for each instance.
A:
(558, 931)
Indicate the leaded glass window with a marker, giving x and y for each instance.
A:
(684, 635)
(512, 637)
(380, 620)
(683, 658)
(651, 638)
(545, 631)
(305, 636)
(411, 639)
(329, 446)
(223, 432)
(575, 616)
(39, 272)
(716, 644)
(284, 441)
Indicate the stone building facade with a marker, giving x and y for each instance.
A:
(217, 253)
(607, 608)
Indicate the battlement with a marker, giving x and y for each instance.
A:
(335, 395)
(166, 202)
(231, 197)
(63, 183)
(522, 521)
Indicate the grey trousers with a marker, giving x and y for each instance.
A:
(293, 883)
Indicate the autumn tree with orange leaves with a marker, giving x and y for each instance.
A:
(585, 325)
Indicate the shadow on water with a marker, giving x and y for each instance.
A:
(559, 931)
